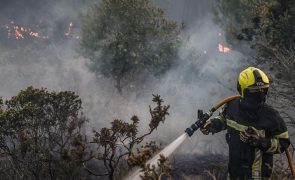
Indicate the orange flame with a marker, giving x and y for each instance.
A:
(223, 49)
(18, 33)
(70, 31)
(21, 32)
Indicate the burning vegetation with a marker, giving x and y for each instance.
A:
(21, 32)
(223, 49)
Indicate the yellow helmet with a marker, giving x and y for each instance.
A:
(252, 79)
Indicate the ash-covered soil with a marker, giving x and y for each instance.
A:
(203, 167)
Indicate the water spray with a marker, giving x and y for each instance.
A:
(167, 151)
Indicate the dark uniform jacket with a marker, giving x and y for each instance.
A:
(246, 161)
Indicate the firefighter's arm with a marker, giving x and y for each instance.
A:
(279, 136)
(278, 143)
(271, 145)
(215, 124)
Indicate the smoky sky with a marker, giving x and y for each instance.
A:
(36, 11)
(20, 9)
(188, 12)
(202, 77)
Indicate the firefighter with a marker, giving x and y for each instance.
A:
(255, 131)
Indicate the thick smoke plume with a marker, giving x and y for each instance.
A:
(204, 75)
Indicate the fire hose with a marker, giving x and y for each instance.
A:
(202, 118)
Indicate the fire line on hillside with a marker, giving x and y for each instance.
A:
(21, 32)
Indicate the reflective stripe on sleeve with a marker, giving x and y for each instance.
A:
(283, 135)
(274, 145)
(242, 128)
(221, 118)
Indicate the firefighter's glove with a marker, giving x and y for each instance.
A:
(251, 137)
(207, 128)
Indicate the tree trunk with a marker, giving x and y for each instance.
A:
(118, 85)
(111, 175)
